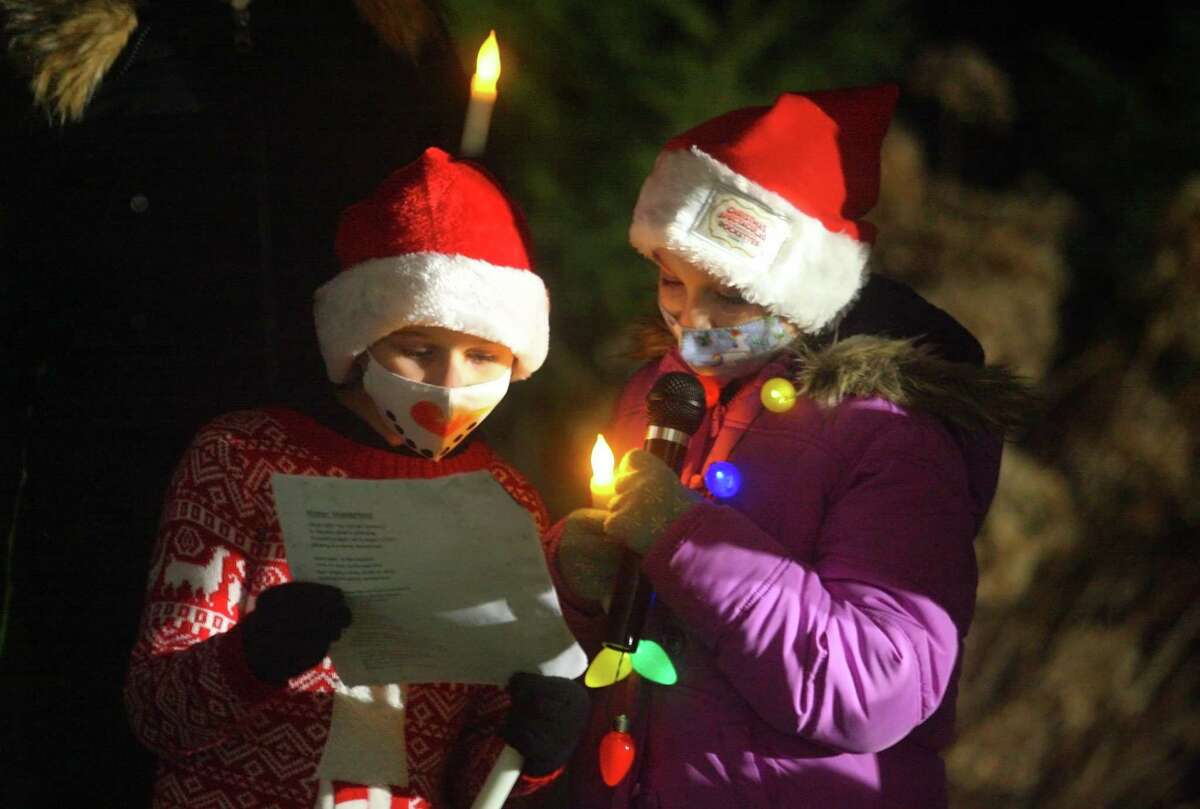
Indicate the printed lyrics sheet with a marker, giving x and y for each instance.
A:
(445, 578)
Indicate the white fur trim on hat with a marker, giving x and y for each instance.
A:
(748, 236)
(375, 298)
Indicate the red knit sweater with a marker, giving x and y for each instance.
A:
(223, 737)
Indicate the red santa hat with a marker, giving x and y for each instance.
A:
(437, 244)
(770, 199)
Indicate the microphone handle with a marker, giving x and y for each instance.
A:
(672, 453)
(633, 592)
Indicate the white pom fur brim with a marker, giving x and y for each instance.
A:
(803, 272)
(371, 300)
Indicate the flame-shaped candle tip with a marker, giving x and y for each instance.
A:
(487, 67)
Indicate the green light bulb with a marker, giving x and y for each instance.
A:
(651, 661)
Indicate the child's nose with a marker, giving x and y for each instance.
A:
(695, 317)
(454, 372)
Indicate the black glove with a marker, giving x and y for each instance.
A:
(291, 628)
(546, 721)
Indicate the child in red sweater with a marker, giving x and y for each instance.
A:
(435, 311)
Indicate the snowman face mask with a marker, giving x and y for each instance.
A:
(430, 419)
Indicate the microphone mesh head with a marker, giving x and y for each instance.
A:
(676, 401)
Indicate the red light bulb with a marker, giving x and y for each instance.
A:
(616, 752)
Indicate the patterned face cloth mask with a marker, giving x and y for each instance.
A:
(431, 419)
(732, 350)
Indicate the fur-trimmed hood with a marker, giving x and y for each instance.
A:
(990, 398)
(912, 375)
(67, 47)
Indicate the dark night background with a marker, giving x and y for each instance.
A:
(1041, 183)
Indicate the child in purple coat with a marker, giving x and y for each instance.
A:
(815, 617)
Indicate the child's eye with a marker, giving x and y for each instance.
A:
(481, 357)
(416, 352)
(732, 296)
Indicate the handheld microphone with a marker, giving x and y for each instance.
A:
(674, 410)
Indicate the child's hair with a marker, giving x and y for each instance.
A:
(649, 338)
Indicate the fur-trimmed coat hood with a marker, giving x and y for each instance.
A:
(912, 374)
(68, 47)
(989, 398)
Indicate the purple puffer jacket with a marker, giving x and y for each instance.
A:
(815, 618)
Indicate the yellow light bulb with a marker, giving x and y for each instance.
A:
(608, 667)
(778, 395)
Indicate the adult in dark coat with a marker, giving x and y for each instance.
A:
(169, 206)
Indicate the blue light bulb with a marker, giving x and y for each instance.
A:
(723, 479)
